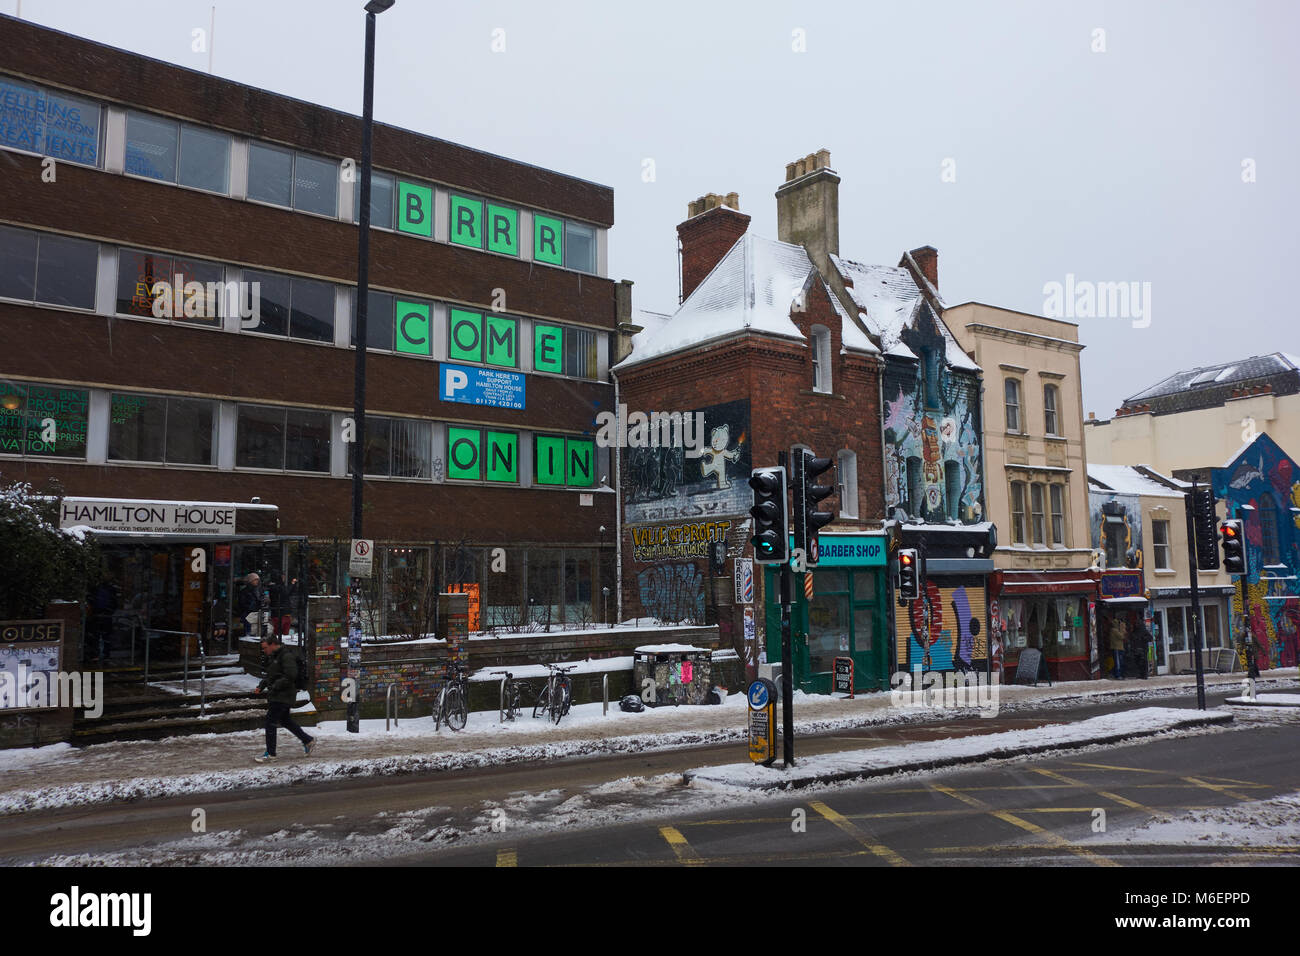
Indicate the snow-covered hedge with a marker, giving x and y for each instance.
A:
(39, 562)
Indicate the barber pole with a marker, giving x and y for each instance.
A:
(807, 585)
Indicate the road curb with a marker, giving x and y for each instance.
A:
(796, 781)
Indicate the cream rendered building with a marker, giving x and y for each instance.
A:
(1198, 419)
(1035, 483)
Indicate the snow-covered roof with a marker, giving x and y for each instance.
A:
(852, 338)
(752, 289)
(1224, 373)
(1126, 480)
(889, 300)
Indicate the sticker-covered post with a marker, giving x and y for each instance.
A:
(761, 697)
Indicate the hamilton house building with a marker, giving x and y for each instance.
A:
(178, 262)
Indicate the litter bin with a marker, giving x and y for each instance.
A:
(682, 674)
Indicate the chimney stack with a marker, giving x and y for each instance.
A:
(808, 208)
(927, 260)
(713, 225)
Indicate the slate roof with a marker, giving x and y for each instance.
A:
(1211, 385)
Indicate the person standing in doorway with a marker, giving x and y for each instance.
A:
(280, 684)
(1117, 642)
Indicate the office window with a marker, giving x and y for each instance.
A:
(820, 347)
(18, 264)
(288, 439)
(1012, 391)
(565, 351)
(398, 447)
(379, 320)
(1160, 544)
(1018, 512)
(1050, 396)
(1057, 495)
(579, 247)
(49, 269)
(383, 208)
(548, 239)
(161, 429)
(580, 353)
(291, 306)
(138, 277)
(1036, 514)
(502, 229)
(43, 420)
(286, 178)
(846, 471)
(49, 122)
(152, 146)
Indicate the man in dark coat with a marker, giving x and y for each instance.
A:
(280, 685)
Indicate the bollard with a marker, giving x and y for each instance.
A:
(604, 692)
(501, 713)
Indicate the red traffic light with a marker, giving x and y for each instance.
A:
(1230, 530)
(905, 559)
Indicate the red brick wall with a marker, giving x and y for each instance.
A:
(705, 239)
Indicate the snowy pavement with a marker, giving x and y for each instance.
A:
(61, 775)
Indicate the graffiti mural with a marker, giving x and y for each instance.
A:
(672, 592)
(665, 484)
(957, 636)
(932, 433)
(1115, 526)
(1261, 487)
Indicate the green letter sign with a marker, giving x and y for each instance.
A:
(463, 453)
(548, 239)
(466, 335)
(412, 328)
(466, 222)
(502, 334)
(548, 343)
(415, 209)
(503, 229)
(581, 462)
(550, 460)
(502, 456)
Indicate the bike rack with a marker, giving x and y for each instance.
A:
(604, 692)
(501, 713)
(390, 707)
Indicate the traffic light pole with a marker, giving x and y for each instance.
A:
(787, 658)
(1193, 566)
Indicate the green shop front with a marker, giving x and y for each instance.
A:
(846, 616)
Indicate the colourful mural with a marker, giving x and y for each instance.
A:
(1115, 526)
(932, 433)
(1261, 487)
(956, 637)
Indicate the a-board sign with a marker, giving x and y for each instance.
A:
(761, 696)
(1031, 667)
(843, 676)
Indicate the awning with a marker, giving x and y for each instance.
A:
(1135, 599)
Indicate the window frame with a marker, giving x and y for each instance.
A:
(1037, 515)
(180, 127)
(284, 411)
(45, 92)
(820, 349)
(294, 154)
(846, 475)
(1051, 410)
(1019, 496)
(1160, 528)
(26, 427)
(40, 237)
(1012, 384)
(164, 462)
(1056, 514)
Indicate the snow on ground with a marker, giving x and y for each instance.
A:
(879, 760)
(531, 671)
(230, 684)
(1274, 823)
(1268, 700)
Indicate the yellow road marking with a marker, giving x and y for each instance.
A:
(1105, 794)
(507, 858)
(1008, 817)
(879, 849)
(685, 853)
(1102, 766)
(1217, 788)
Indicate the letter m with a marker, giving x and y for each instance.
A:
(1112, 300)
(67, 689)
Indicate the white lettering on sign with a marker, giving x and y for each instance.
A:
(455, 381)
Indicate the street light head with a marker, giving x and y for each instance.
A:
(379, 6)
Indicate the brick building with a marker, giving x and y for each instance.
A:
(490, 321)
(783, 343)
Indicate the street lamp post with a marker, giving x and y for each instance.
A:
(359, 390)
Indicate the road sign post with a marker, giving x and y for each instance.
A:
(1195, 506)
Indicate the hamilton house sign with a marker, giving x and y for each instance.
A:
(171, 517)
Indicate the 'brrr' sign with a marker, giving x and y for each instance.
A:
(481, 386)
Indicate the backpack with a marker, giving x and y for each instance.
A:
(301, 678)
(631, 704)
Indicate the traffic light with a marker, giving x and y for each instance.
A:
(1207, 539)
(1234, 547)
(807, 495)
(909, 588)
(771, 521)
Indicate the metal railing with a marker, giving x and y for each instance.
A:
(390, 707)
(151, 633)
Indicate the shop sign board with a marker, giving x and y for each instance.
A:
(761, 696)
(171, 517)
(844, 676)
(1121, 583)
(481, 386)
(1030, 666)
(849, 550)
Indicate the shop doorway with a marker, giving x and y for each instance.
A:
(844, 618)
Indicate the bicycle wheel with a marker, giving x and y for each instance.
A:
(543, 702)
(563, 697)
(457, 714)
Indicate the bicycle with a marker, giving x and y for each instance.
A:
(452, 708)
(512, 693)
(556, 697)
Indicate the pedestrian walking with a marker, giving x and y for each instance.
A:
(280, 684)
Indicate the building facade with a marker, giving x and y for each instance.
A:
(1037, 486)
(178, 259)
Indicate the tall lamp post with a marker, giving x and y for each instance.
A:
(373, 8)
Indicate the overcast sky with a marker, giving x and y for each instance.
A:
(1122, 164)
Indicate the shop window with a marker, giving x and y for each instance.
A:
(1018, 512)
(282, 439)
(291, 306)
(1036, 515)
(139, 275)
(846, 471)
(176, 153)
(1051, 395)
(48, 269)
(43, 421)
(286, 178)
(1176, 628)
(159, 429)
(579, 247)
(49, 122)
(1057, 495)
(1012, 392)
(1213, 634)
(1160, 544)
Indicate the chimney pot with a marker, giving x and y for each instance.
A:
(713, 226)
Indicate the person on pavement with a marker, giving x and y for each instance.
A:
(1117, 646)
(280, 685)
